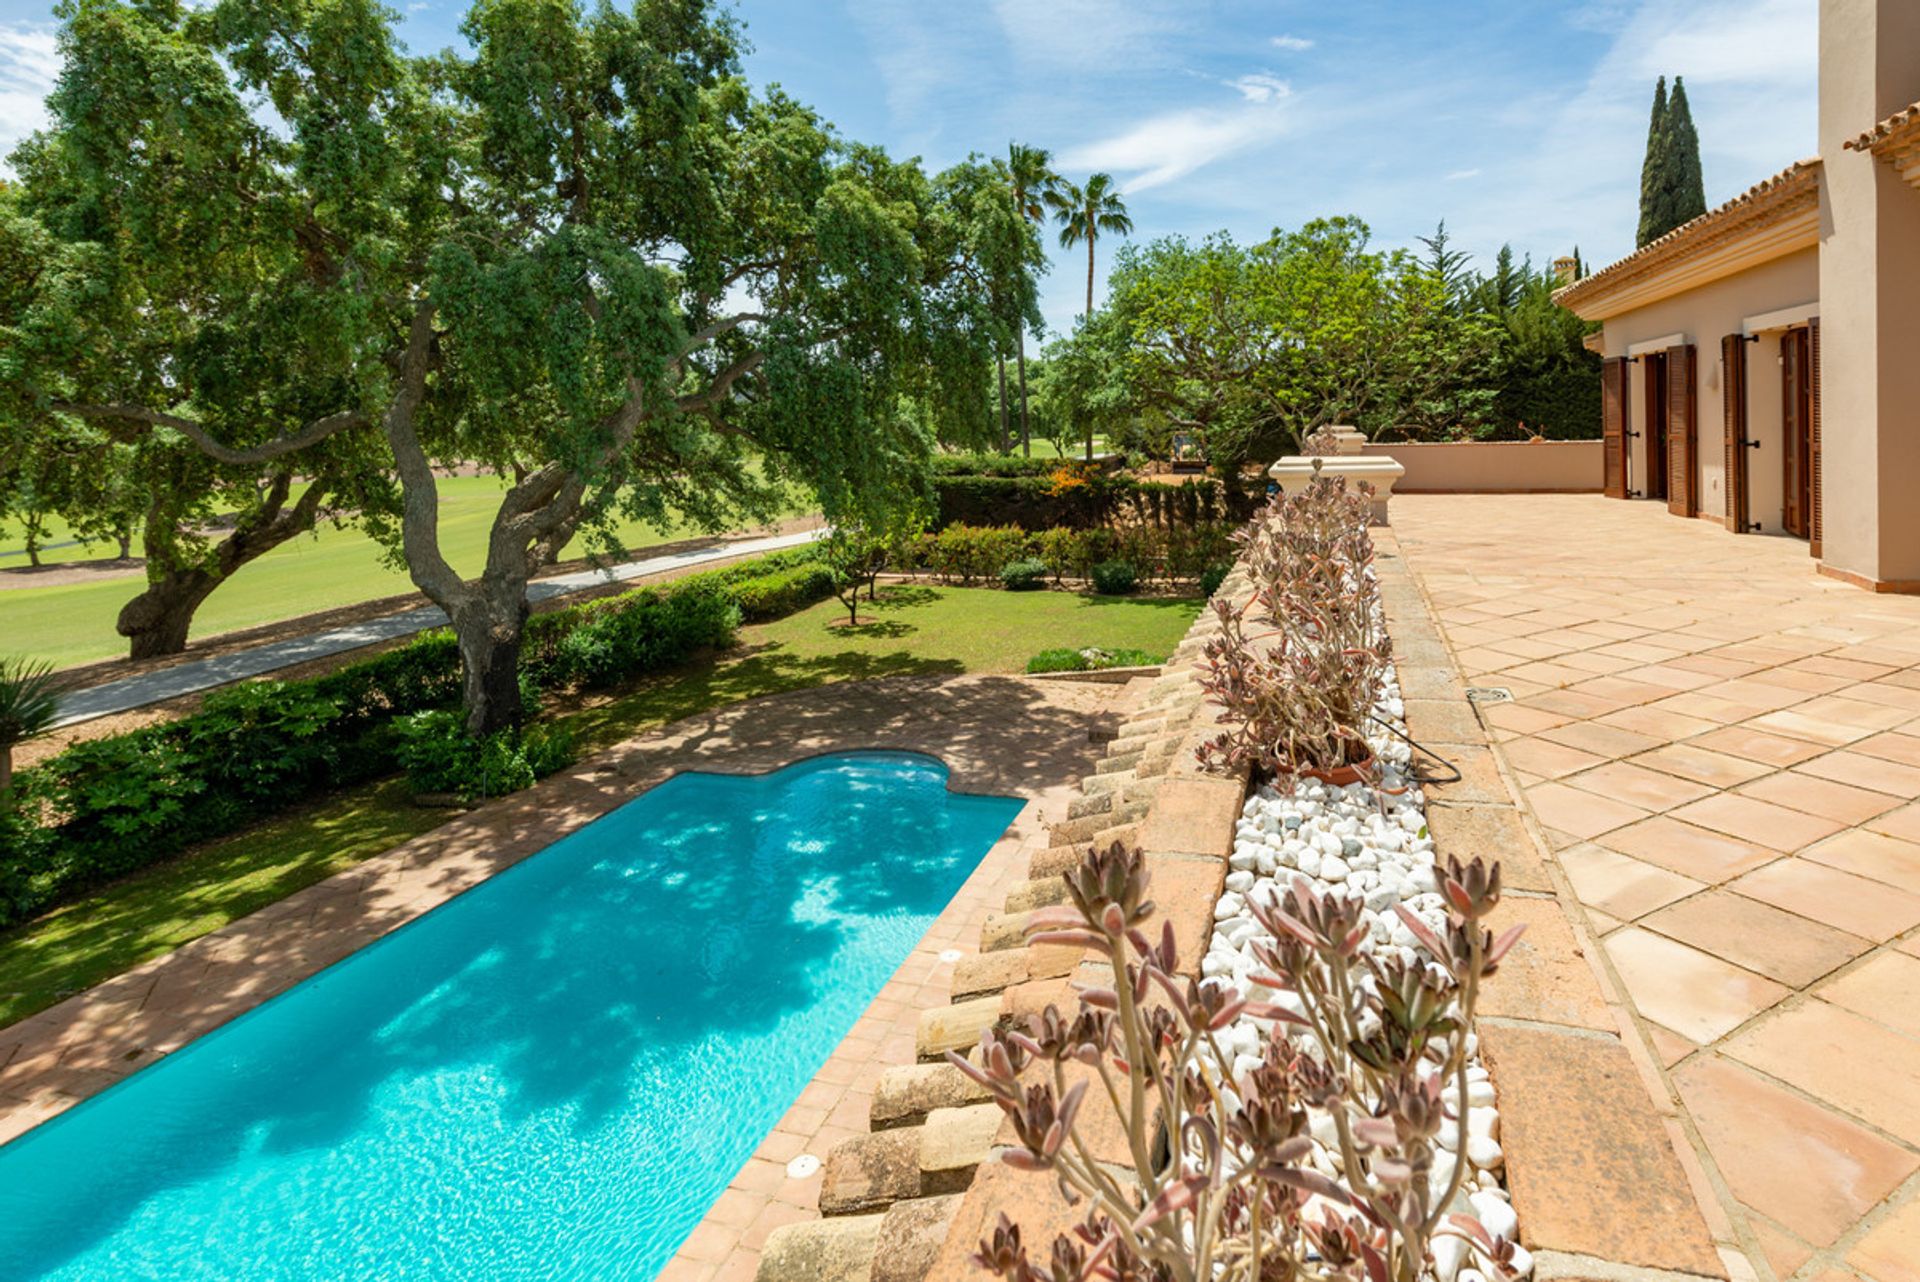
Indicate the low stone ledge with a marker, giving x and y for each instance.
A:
(839, 1250)
(1466, 829)
(954, 1028)
(1031, 1199)
(905, 1095)
(910, 1236)
(1194, 815)
(1588, 1162)
(953, 1143)
(1003, 930)
(982, 973)
(1102, 676)
(1042, 892)
(871, 1172)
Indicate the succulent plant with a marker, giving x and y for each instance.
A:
(1297, 667)
(1222, 1188)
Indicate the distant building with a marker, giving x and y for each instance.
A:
(1762, 362)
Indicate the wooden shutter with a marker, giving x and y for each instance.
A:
(1683, 483)
(1816, 526)
(1733, 392)
(1613, 426)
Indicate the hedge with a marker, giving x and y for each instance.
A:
(1042, 502)
(967, 554)
(106, 807)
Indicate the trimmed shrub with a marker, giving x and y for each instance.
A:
(441, 757)
(1091, 659)
(1023, 576)
(106, 807)
(969, 553)
(1115, 578)
(1211, 580)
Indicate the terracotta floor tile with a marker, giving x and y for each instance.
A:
(1756, 693)
(1884, 988)
(1721, 712)
(1873, 855)
(1602, 740)
(1638, 786)
(1891, 1252)
(1521, 719)
(1903, 823)
(1903, 748)
(1715, 665)
(1681, 988)
(1759, 937)
(1670, 675)
(1757, 821)
(1815, 729)
(1854, 904)
(1546, 759)
(1863, 713)
(1701, 765)
(1672, 1047)
(1757, 745)
(1828, 665)
(1621, 887)
(1785, 1252)
(1812, 1169)
(1624, 691)
(1706, 856)
(1657, 723)
(1839, 802)
(1571, 702)
(1580, 813)
(1864, 771)
(1843, 1060)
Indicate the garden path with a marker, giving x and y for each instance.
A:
(217, 670)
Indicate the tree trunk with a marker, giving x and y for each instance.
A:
(490, 636)
(1089, 272)
(6, 768)
(125, 539)
(1005, 446)
(32, 529)
(1026, 428)
(158, 621)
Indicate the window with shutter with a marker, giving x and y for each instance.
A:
(1733, 392)
(1683, 476)
(1817, 523)
(1613, 426)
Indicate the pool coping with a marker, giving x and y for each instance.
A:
(64, 1055)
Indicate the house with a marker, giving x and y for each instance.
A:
(1762, 362)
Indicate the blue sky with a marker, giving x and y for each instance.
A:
(1517, 121)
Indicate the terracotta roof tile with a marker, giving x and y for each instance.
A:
(1902, 121)
(1754, 203)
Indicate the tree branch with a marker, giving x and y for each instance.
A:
(279, 447)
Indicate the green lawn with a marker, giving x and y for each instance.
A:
(914, 628)
(333, 567)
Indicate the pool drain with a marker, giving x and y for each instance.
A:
(803, 1166)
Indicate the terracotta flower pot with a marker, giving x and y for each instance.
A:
(1340, 776)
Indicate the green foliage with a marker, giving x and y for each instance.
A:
(1091, 659)
(103, 807)
(29, 702)
(968, 554)
(1115, 578)
(1672, 190)
(440, 757)
(1024, 575)
(1213, 577)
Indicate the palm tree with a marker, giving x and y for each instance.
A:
(1031, 177)
(1084, 212)
(29, 705)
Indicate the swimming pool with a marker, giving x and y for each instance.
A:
(550, 1076)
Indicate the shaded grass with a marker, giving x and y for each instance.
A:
(913, 629)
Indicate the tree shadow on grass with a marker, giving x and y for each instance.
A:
(901, 596)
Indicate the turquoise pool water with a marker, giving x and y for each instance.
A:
(551, 1076)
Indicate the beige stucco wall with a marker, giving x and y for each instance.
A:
(1496, 467)
(1870, 276)
(1702, 317)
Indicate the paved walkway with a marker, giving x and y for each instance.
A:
(204, 674)
(1723, 749)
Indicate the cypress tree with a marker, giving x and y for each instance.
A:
(1653, 168)
(1688, 188)
(1671, 188)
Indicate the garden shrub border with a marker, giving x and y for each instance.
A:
(103, 808)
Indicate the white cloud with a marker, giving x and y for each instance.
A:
(1169, 146)
(1461, 175)
(1260, 87)
(1292, 44)
(1086, 35)
(29, 64)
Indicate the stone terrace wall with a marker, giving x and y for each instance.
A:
(909, 1200)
